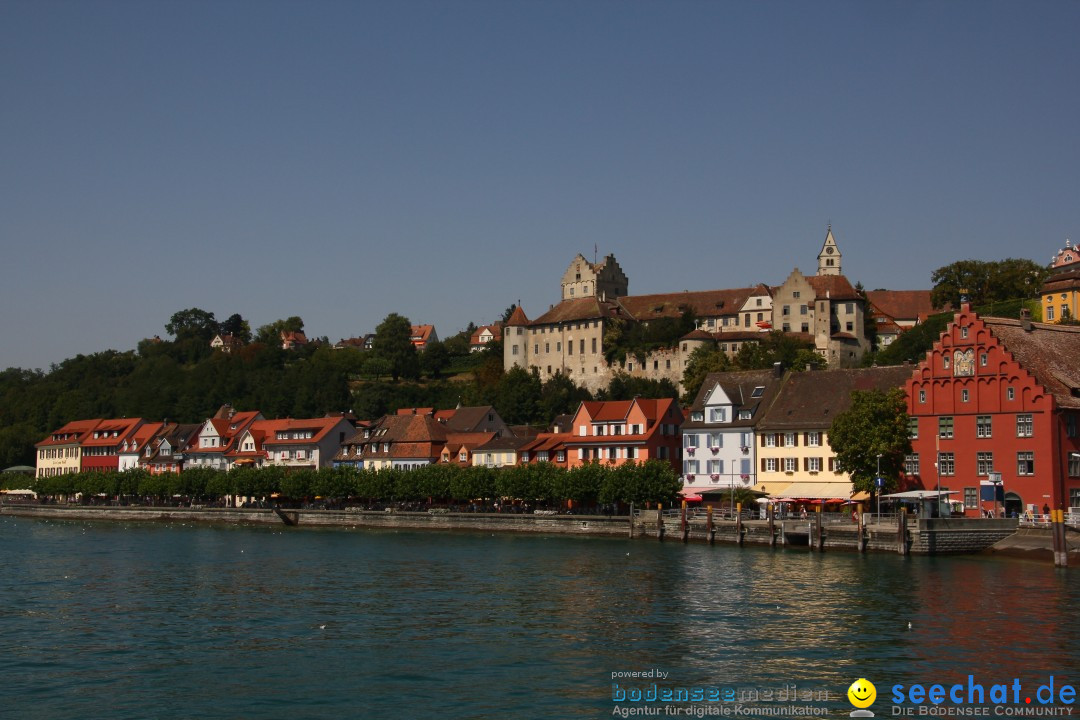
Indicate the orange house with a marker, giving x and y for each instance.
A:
(620, 431)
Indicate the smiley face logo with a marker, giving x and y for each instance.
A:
(862, 693)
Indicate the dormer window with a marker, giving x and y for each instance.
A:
(758, 391)
(697, 416)
(745, 414)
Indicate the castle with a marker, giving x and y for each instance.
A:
(569, 338)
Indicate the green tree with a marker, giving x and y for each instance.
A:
(875, 424)
(393, 345)
(559, 395)
(434, 359)
(704, 360)
(192, 322)
(270, 334)
(518, 395)
(986, 282)
(236, 326)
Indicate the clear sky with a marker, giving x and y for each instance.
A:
(343, 160)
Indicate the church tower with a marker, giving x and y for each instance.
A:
(828, 260)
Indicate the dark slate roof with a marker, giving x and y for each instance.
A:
(1049, 352)
(812, 400)
(739, 387)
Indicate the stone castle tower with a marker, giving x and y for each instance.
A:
(604, 280)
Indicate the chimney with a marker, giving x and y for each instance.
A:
(1025, 319)
(777, 369)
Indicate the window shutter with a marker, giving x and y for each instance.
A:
(762, 464)
(779, 439)
(805, 464)
(763, 440)
(831, 463)
(806, 439)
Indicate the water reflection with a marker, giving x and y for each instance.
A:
(229, 622)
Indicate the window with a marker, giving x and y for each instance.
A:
(971, 497)
(1025, 463)
(983, 426)
(963, 332)
(1070, 424)
(547, 349)
(922, 396)
(718, 415)
(813, 439)
(984, 463)
(770, 440)
(803, 310)
(964, 395)
(786, 310)
(536, 348)
(1049, 312)
(1074, 497)
(1074, 469)
(945, 427)
(560, 456)
(796, 294)
(747, 414)
(593, 346)
(758, 391)
(791, 464)
(770, 464)
(716, 467)
(690, 441)
(913, 428)
(690, 467)
(911, 464)
(945, 361)
(813, 464)
(1024, 426)
(982, 359)
(946, 463)
(1010, 394)
(789, 440)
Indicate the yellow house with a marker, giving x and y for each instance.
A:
(1061, 291)
(499, 452)
(61, 452)
(795, 459)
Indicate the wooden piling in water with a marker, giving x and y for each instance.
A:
(709, 525)
(770, 512)
(901, 532)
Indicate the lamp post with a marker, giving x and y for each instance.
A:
(995, 479)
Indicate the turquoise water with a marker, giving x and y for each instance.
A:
(137, 621)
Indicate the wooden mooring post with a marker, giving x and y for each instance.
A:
(738, 524)
(770, 512)
(901, 532)
(861, 539)
(684, 525)
(660, 522)
(709, 525)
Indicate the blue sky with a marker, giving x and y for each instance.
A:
(343, 160)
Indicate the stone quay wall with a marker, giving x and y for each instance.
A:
(922, 537)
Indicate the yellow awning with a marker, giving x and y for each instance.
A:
(813, 490)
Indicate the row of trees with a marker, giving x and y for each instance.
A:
(539, 484)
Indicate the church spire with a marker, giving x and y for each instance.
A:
(829, 258)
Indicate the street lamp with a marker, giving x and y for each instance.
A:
(997, 482)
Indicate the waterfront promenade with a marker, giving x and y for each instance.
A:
(887, 534)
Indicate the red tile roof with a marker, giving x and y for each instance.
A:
(706, 303)
(586, 308)
(517, 318)
(835, 287)
(901, 304)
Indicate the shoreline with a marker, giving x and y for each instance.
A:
(921, 537)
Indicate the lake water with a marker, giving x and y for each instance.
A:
(172, 621)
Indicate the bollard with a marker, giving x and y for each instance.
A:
(660, 522)
(1057, 530)
(709, 526)
(631, 520)
(770, 512)
(861, 540)
(901, 532)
